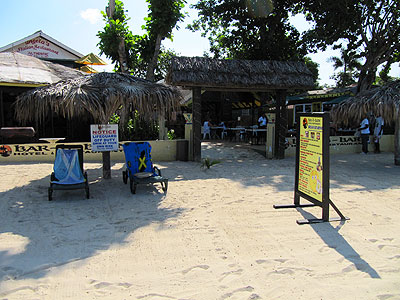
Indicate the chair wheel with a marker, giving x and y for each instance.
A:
(133, 186)
(125, 177)
(164, 186)
(50, 193)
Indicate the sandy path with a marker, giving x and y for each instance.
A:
(215, 235)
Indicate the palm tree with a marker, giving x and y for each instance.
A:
(350, 63)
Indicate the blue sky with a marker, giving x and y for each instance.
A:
(76, 23)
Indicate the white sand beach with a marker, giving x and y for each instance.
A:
(214, 235)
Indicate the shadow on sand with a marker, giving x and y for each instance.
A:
(333, 239)
(75, 228)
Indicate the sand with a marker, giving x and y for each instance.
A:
(214, 235)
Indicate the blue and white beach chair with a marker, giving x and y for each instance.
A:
(68, 170)
(139, 166)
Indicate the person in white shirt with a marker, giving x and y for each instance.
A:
(262, 121)
(378, 131)
(364, 130)
(206, 129)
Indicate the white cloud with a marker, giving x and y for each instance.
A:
(93, 15)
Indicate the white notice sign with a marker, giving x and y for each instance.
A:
(104, 137)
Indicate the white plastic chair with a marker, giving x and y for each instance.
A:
(224, 134)
(205, 132)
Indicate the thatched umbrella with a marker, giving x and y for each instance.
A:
(383, 101)
(100, 95)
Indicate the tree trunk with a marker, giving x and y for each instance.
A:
(153, 63)
(366, 79)
(123, 61)
(397, 141)
(106, 165)
(111, 8)
(161, 126)
(196, 96)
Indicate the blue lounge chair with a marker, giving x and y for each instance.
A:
(68, 170)
(139, 166)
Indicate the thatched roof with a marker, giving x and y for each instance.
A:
(383, 101)
(247, 75)
(100, 95)
(20, 69)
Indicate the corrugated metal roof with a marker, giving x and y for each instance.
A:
(21, 70)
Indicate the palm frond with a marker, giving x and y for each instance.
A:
(100, 95)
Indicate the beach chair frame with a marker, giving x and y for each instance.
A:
(83, 185)
(134, 181)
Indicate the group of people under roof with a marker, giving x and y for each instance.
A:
(262, 124)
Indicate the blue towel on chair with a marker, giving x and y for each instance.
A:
(138, 157)
(67, 167)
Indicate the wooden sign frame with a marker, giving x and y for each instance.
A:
(312, 166)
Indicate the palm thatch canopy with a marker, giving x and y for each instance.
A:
(20, 70)
(247, 75)
(100, 95)
(383, 101)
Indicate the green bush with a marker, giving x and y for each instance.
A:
(136, 128)
(207, 163)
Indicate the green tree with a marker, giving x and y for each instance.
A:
(162, 19)
(141, 55)
(237, 30)
(369, 27)
(313, 67)
(349, 66)
(116, 40)
(233, 32)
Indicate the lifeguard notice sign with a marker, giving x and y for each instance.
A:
(104, 137)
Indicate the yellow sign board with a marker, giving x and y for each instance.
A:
(310, 157)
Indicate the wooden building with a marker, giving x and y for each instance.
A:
(270, 77)
(43, 46)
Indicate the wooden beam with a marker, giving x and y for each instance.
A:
(269, 89)
(281, 124)
(196, 96)
(1, 109)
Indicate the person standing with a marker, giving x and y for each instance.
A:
(364, 130)
(378, 131)
(207, 129)
(262, 121)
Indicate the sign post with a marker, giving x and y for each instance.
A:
(104, 139)
(312, 166)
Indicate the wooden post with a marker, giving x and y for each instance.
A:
(52, 122)
(196, 96)
(161, 126)
(106, 164)
(397, 141)
(280, 124)
(1, 109)
(106, 156)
